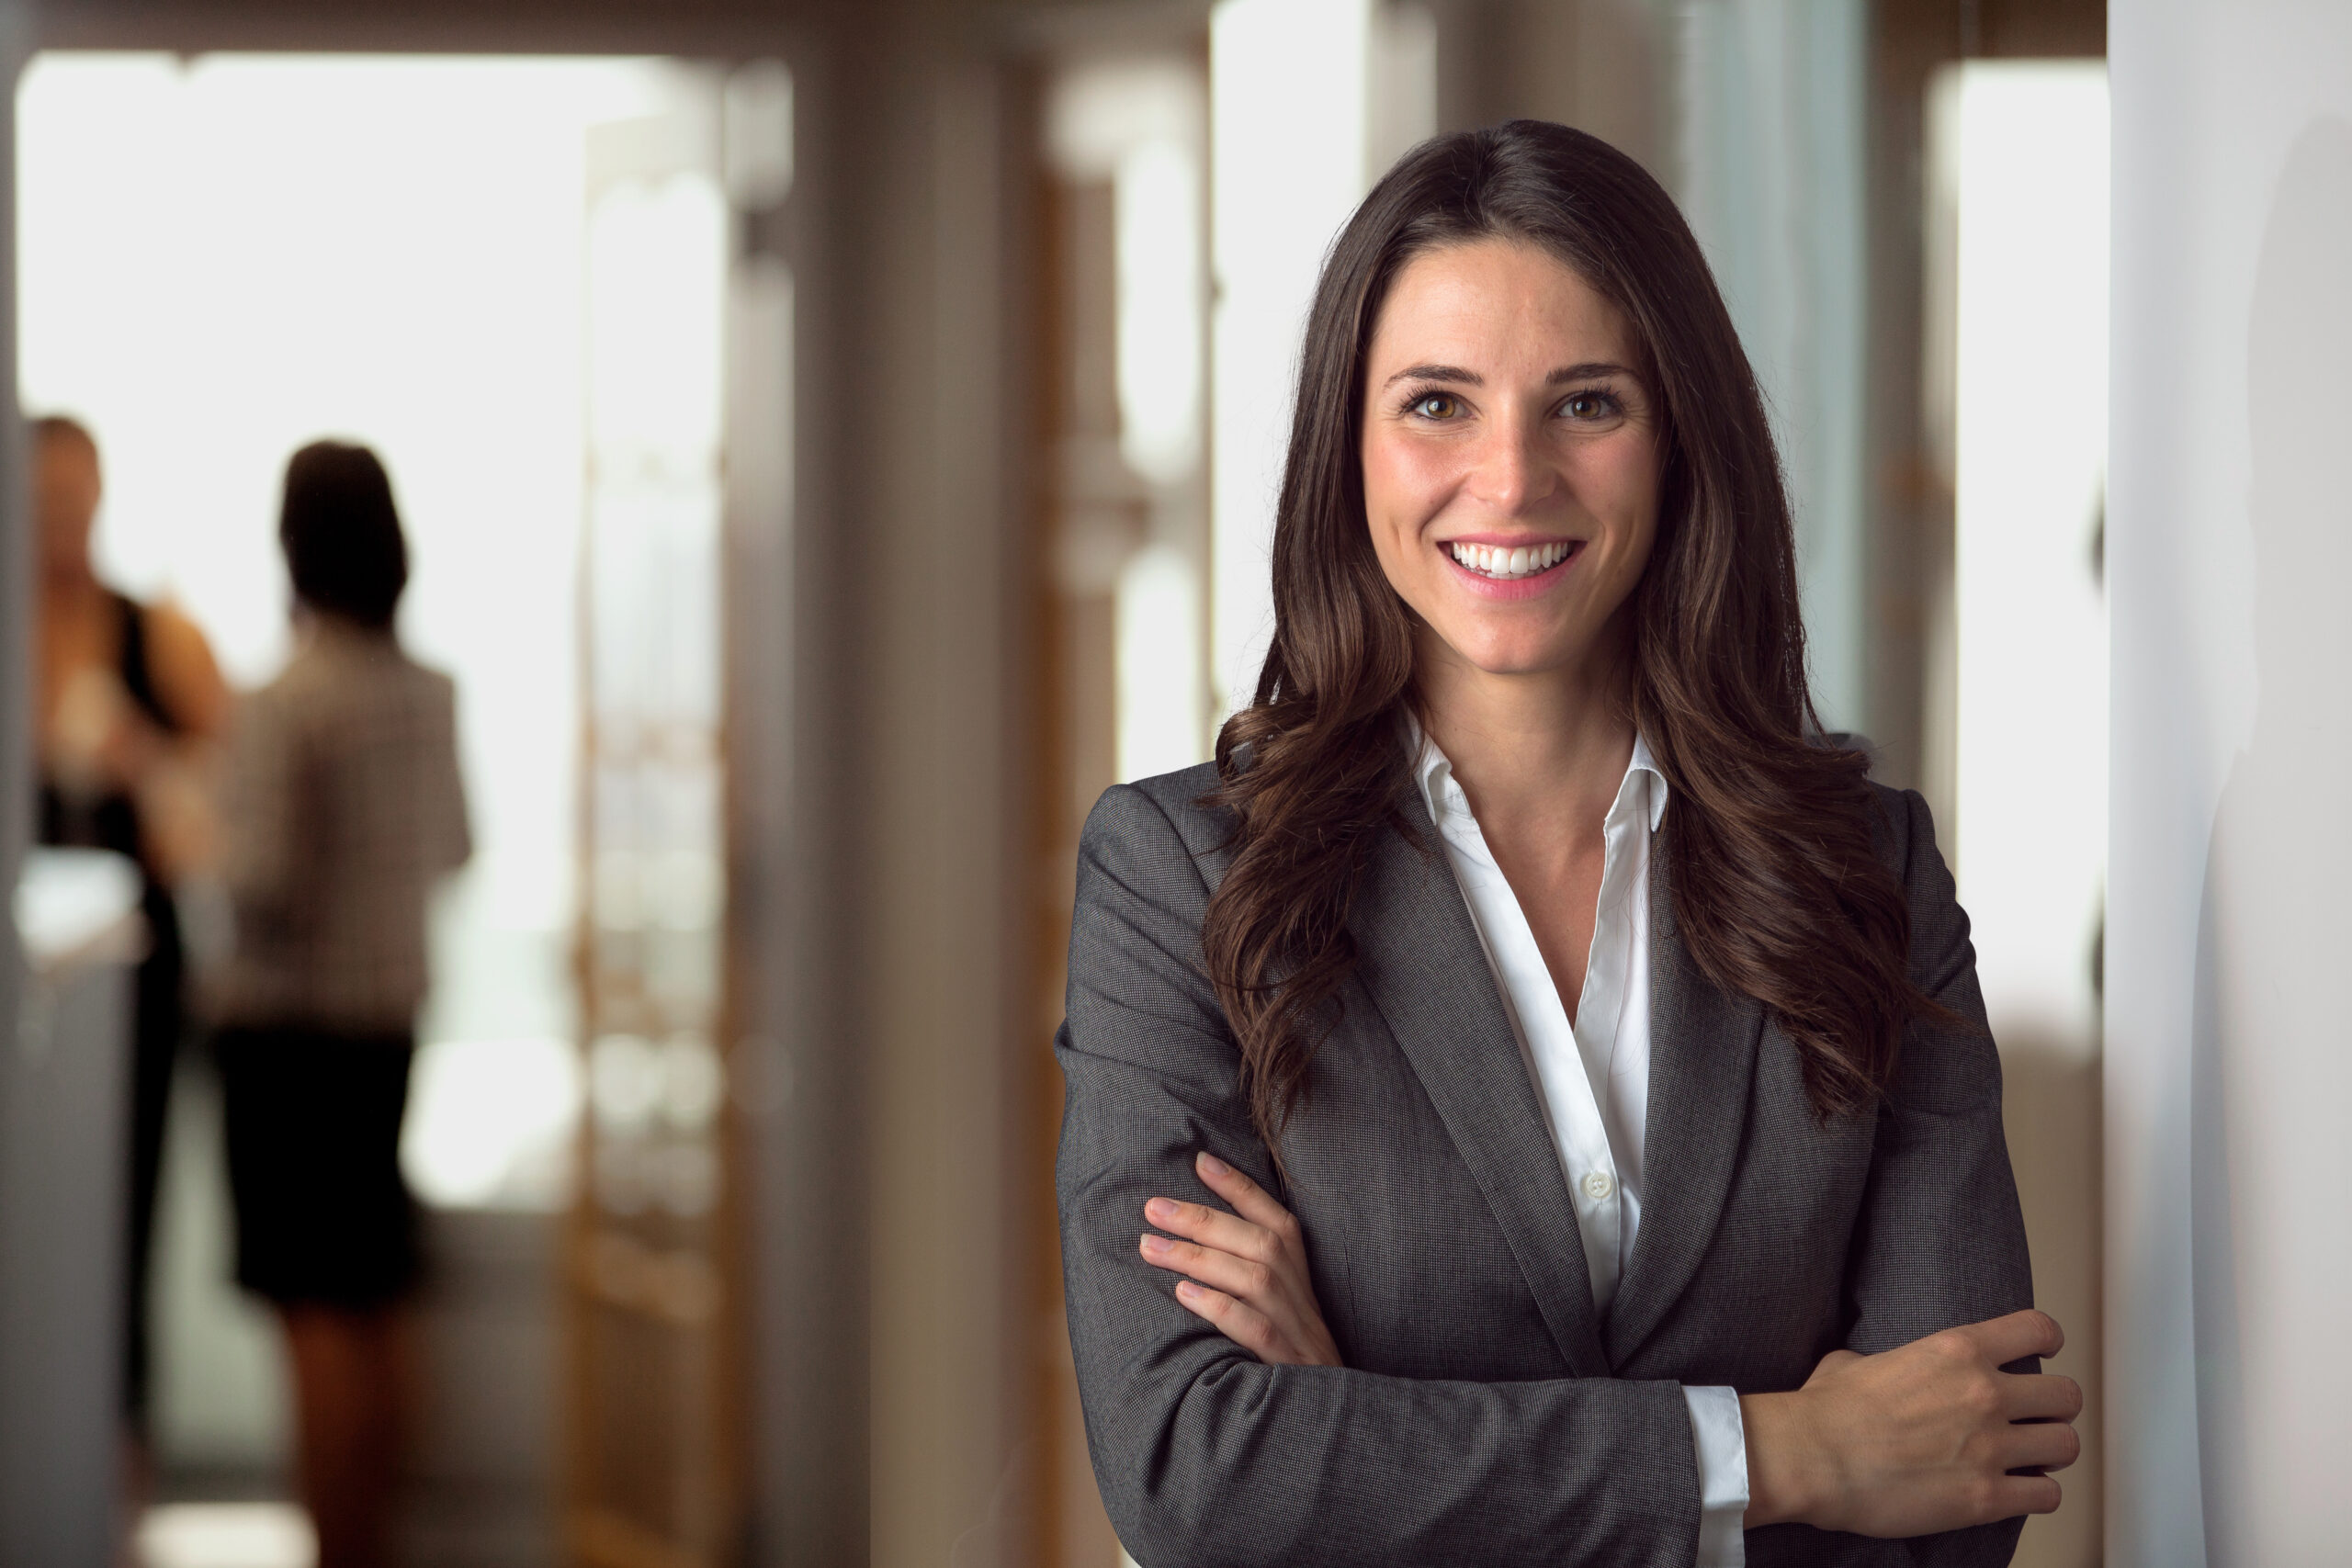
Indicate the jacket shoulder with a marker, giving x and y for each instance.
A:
(1164, 806)
(1901, 827)
(1899, 817)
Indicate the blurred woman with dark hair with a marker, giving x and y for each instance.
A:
(131, 707)
(1551, 1070)
(343, 807)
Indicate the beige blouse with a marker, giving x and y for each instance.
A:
(343, 807)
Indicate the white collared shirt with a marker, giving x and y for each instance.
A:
(1599, 1134)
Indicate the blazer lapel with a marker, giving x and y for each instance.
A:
(1420, 960)
(1702, 1060)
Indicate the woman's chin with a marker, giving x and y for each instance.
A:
(1516, 658)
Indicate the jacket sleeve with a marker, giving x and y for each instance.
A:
(1941, 1239)
(1207, 1457)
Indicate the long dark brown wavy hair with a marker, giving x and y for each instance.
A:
(1776, 890)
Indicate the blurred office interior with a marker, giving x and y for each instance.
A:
(837, 441)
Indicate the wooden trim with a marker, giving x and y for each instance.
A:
(599, 1538)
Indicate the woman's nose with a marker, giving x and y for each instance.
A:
(1510, 476)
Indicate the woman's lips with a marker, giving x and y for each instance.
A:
(1505, 562)
(1509, 571)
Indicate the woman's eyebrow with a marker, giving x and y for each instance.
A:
(1435, 373)
(1586, 372)
(1455, 372)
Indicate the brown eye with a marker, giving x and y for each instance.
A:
(1589, 406)
(1438, 405)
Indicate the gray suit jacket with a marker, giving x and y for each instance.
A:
(1487, 1413)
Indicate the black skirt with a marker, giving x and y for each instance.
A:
(313, 1124)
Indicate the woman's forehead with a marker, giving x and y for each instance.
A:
(1501, 301)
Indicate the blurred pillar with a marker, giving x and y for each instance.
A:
(804, 1120)
(2230, 1380)
(64, 1090)
(1771, 177)
(2022, 147)
(1292, 75)
(2036, 916)
(1907, 699)
(1310, 101)
(24, 1477)
(15, 543)
(1753, 113)
(911, 778)
(1603, 66)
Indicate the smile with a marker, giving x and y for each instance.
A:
(1507, 563)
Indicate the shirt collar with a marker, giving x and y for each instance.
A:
(1434, 773)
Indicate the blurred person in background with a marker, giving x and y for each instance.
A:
(130, 706)
(342, 808)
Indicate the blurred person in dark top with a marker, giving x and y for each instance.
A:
(130, 703)
(342, 808)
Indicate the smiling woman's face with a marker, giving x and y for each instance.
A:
(1511, 457)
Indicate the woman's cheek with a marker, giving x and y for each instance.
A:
(1401, 500)
(1412, 472)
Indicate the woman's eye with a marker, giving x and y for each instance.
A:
(1590, 406)
(1438, 405)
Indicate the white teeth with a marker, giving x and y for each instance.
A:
(1507, 562)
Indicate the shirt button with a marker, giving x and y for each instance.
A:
(1598, 1186)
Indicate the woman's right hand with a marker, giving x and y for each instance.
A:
(1248, 1269)
(1916, 1439)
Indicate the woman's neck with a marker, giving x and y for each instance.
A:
(314, 624)
(1533, 749)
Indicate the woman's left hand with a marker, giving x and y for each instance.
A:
(1247, 1270)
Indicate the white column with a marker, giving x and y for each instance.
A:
(1287, 153)
(2229, 1058)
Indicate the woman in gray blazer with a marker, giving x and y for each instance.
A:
(1529, 1100)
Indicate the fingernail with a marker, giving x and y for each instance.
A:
(1156, 1245)
(1189, 1290)
(1214, 1166)
(1159, 1211)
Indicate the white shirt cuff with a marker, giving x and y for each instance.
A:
(1722, 1442)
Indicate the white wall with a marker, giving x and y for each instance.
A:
(2228, 1072)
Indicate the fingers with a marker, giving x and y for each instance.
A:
(1213, 1228)
(2027, 1333)
(1257, 1229)
(1251, 1202)
(2040, 1445)
(2042, 1397)
(1242, 1323)
(1220, 1270)
(2016, 1494)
